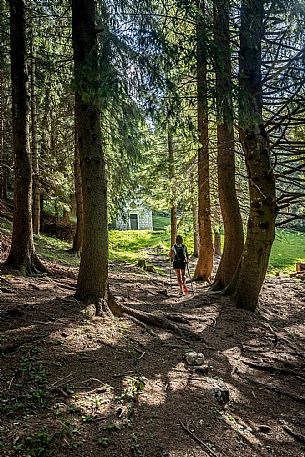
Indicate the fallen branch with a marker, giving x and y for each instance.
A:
(298, 274)
(60, 381)
(43, 323)
(11, 381)
(202, 443)
(97, 390)
(66, 286)
(297, 436)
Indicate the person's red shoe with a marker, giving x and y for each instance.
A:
(185, 290)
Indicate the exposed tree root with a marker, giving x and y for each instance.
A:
(176, 318)
(146, 327)
(30, 266)
(154, 319)
(273, 369)
(40, 266)
(217, 286)
(279, 392)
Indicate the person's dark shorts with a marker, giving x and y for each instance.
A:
(179, 265)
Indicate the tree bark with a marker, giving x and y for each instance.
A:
(172, 187)
(195, 228)
(78, 237)
(173, 224)
(2, 160)
(45, 144)
(254, 139)
(233, 227)
(34, 147)
(205, 260)
(22, 253)
(92, 283)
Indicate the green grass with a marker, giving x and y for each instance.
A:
(288, 248)
(161, 222)
(55, 250)
(124, 246)
(132, 245)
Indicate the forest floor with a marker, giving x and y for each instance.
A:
(71, 385)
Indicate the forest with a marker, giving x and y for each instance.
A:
(152, 228)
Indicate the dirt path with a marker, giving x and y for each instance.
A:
(74, 386)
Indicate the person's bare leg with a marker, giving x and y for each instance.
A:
(183, 281)
(179, 279)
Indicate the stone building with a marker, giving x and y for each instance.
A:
(135, 217)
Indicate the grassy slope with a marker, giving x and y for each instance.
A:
(288, 248)
(129, 246)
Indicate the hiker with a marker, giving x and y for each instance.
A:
(179, 256)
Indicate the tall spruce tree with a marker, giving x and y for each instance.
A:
(6, 159)
(92, 283)
(204, 265)
(22, 252)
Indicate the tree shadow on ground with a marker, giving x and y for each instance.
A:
(105, 387)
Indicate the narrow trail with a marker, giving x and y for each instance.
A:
(109, 387)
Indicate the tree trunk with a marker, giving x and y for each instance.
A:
(56, 212)
(2, 160)
(22, 253)
(254, 139)
(92, 283)
(195, 228)
(173, 224)
(78, 237)
(66, 216)
(205, 260)
(233, 227)
(217, 243)
(5, 128)
(34, 147)
(45, 144)
(172, 187)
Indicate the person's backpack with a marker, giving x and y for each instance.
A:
(180, 252)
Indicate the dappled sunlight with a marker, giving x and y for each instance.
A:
(113, 383)
(154, 393)
(239, 425)
(78, 338)
(109, 381)
(91, 403)
(177, 377)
